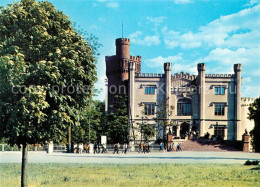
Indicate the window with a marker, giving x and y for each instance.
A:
(219, 131)
(220, 109)
(220, 90)
(184, 107)
(149, 108)
(149, 90)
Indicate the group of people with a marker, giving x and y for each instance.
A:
(163, 147)
(100, 148)
(117, 146)
(144, 148)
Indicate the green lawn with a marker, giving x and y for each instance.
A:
(132, 175)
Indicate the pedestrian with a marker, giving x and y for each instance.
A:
(88, 148)
(123, 150)
(144, 148)
(80, 148)
(105, 147)
(180, 147)
(85, 148)
(126, 148)
(95, 148)
(102, 148)
(161, 147)
(140, 147)
(98, 147)
(148, 148)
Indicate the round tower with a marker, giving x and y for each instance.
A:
(122, 48)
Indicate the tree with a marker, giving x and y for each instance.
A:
(47, 72)
(117, 121)
(162, 117)
(148, 131)
(254, 114)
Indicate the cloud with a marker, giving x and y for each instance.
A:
(236, 30)
(253, 2)
(229, 57)
(146, 40)
(256, 72)
(112, 4)
(250, 91)
(159, 61)
(156, 20)
(109, 3)
(182, 1)
(246, 80)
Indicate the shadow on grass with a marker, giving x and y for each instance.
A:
(256, 168)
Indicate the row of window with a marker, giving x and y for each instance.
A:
(184, 108)
(150, 90)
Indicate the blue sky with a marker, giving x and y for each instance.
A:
(184, 32)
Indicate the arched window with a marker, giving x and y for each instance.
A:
(184, 107)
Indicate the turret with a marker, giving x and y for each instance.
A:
(201, 88)
(122, 48)
(237, 82)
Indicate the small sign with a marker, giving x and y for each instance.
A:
(103, 139)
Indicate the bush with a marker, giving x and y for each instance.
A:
(248, 162)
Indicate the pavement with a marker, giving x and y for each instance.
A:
(132, 157)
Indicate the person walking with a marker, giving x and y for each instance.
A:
(161, 147)
(98, 147)
(95, 148)
(126, 148)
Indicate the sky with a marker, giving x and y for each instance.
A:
(219, 33)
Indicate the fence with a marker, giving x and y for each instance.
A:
(6, 147)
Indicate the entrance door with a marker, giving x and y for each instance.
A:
(185, 128)
(174, 130)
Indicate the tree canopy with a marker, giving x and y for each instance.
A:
(254, 114)
(47, 74)
(117, 121)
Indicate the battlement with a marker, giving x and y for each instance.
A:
(201, 67)
(167, 66)
(149, 75)
(219, 75)
(237, 67)
(120, 41)
(136, 58)
(184, 75)
(246, 101)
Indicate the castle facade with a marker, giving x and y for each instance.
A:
(179, 102)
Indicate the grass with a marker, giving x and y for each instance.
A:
(132, 175)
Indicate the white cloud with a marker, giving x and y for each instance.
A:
(156, 20)
(250, 91)
(236, 30)
(253, 2)
(146, 40)
(256, 72)
(159, 61)
(109, 3)
(246, 80)
(229, 57)
(112, 4)
(182, 1)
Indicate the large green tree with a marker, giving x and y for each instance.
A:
(254, 114)
(47, 72)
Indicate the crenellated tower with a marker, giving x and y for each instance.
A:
(117, 69)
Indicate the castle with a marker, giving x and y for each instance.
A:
(202, 103)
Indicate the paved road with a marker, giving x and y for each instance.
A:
(174, 157)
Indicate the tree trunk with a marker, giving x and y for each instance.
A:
(24, 164)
